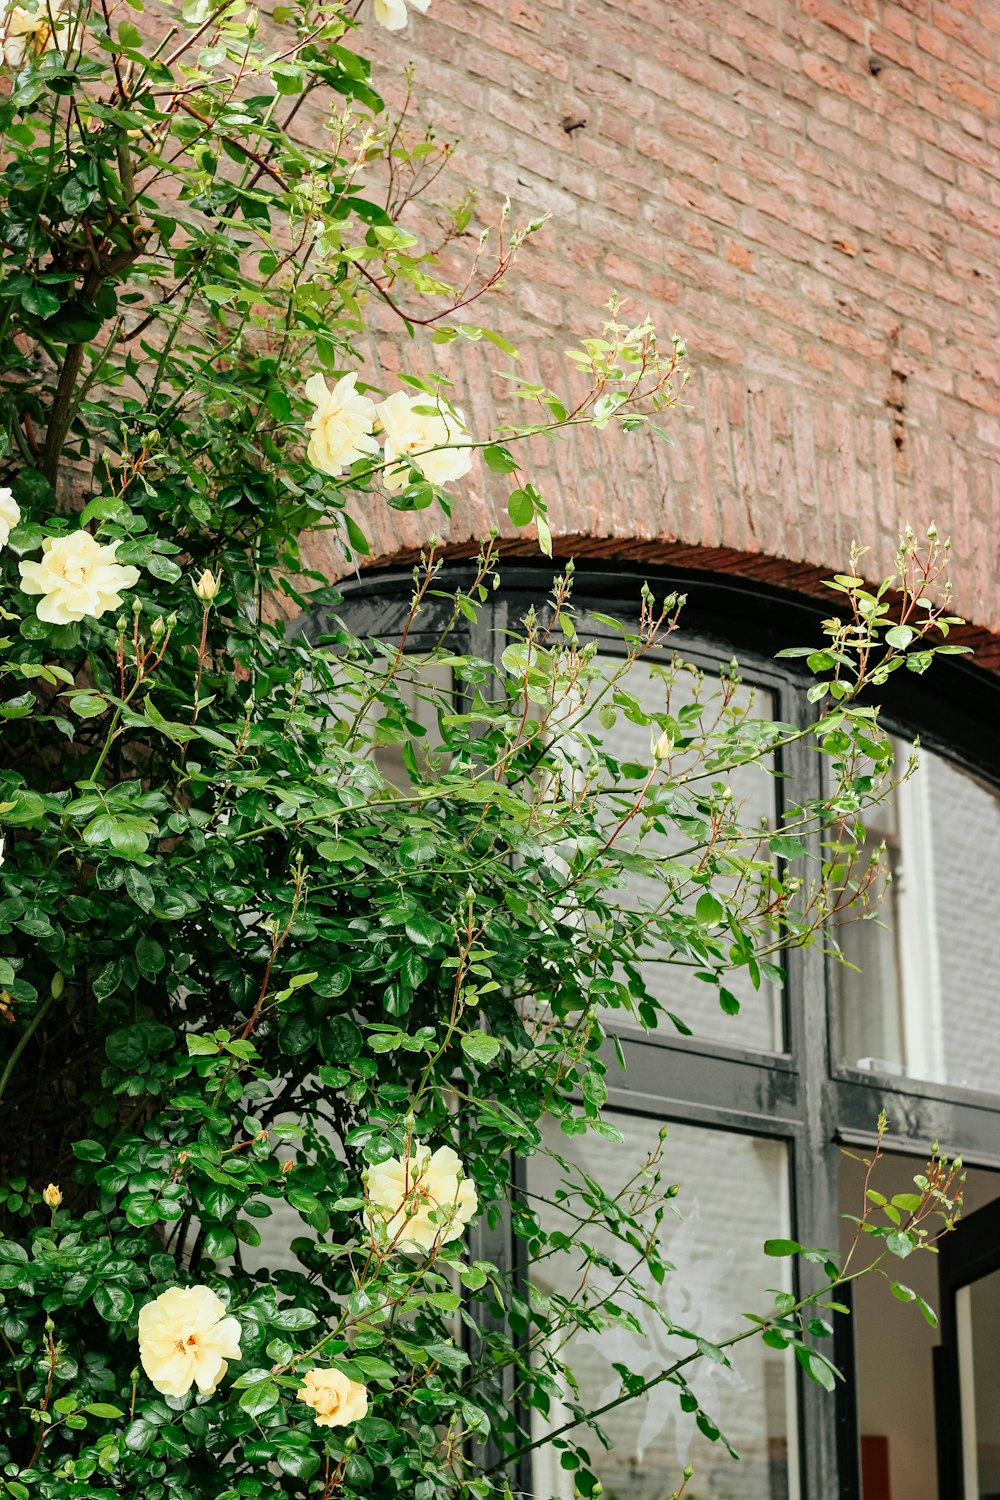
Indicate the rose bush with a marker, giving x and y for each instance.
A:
(249, 968)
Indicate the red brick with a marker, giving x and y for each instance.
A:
(932, 41)
(970, 36)
(740, 256)
(744, 177)
(839, 18)
(971, 94)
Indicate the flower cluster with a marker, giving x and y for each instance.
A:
(418, 432)
(187, 1336)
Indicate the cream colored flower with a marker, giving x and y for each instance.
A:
(413, 426)
(76, 577)
(404, 1194)
(185, 1339)
(52, 1197)
(341, 424)
(392, 13)
(27, 31)
(207, 586)
(10, 514)
(334, 1398)
(662, 746)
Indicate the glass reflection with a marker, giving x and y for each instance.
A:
(925, 986)
(735, 1197)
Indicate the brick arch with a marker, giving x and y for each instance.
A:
(790, 580)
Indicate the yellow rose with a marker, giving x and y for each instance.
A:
(185, 1339)
(10, 514)
(76, 577)
(27, 31)
(341, 425)
(52, 1197)
(392, 13)
(410, 434)
(334, 1398)
(404, 1195)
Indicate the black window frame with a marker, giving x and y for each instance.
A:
(804, 1095)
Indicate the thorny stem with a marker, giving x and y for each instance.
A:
(44, 1427)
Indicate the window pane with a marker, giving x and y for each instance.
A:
(758, 1025)
(894, 1348)
(924, 1000)
(423, 689)
(734, 1196)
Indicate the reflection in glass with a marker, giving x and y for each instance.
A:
(758, 1026)
(734, 1197)
(925, 996)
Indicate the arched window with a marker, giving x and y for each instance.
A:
(762, 1104)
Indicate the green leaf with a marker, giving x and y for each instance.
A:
(219, 1243)
(595, 1090)
(139, 888)
(89, 1150)
(102, 1409)
(142, 1209)
(786, 846)
(293, 1319)
(729, 1002)
(113, 1301)
(899, 636)
(162, 568)
(424, 931)
(709, 911)
(520, 508)
(480, 1046)
(817, 1367)
(259, 1398)
(150, 957)
(40, 302)
(87, 705)
(355, 536)
(499, 459)
(781, 1247)
(928, 1313)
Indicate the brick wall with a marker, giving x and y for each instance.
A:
(809, 193)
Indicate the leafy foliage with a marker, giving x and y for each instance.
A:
(246, 962)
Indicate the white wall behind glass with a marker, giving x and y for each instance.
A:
(734, 1195)
(926, 1000)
